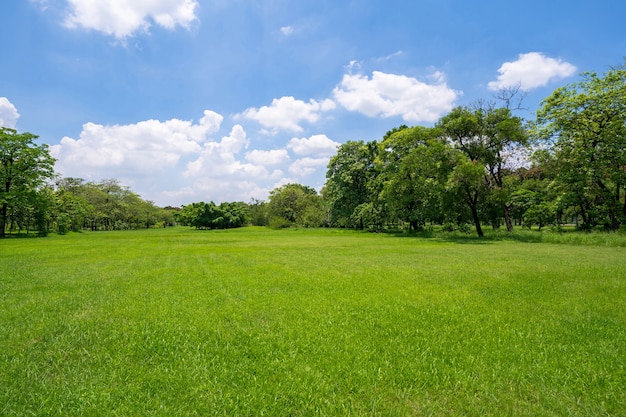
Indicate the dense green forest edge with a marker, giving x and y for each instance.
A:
(478, 166)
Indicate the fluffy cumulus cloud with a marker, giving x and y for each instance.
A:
(307, 166)
(390, 95)
(8, 113)
(221, 170)
(316, 144)
(272, 157)
(143, 149)
(530, 71)
(287, 113)
(123, 18)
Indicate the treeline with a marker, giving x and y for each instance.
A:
(71, 204)
(471, 169)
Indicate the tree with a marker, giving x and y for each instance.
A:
(24, 168)
(487, 135)
(586, 124)
(72, 208)
(467, 181)
(415, 165)
(295, 205)
(348, 181)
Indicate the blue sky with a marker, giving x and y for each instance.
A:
(224, 100)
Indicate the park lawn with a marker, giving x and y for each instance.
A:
(256, 321)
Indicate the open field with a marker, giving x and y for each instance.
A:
(255, 321)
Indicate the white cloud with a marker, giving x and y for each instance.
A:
(316, 144)
(306, 166)
(177, 162)
(287, 30)
(8, 113)
(219, 170)
(287, 113)
(531, 70)
(389, 95)
(218, 159)
(273, 157)
(143, 149)
(123, 18)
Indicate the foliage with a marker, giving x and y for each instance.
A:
(211, 216)
(348, 182)
(24, 169)
(295, 205)
(586, 124)
(415, 165)
(489, 136)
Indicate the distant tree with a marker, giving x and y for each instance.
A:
(72, 207)
(257, 210)
(203, 215)
(295, 205)
(24, 169)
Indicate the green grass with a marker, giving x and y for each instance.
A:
(255, 322)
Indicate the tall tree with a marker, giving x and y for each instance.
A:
(415, 165)
(24, 167)
(586, 123)
(467, 181)
(348, 181)
(488, 135)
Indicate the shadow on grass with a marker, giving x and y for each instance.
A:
(567, 237)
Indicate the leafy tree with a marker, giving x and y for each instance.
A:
(72, 207)
(488, 135)
(295, 205)
(586, 123)
(467, 181)
(348, 181)
(203, 215)
(257, 210)
(24, 169)
(415, 166)
(541, 214)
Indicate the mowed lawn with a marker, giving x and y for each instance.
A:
(261, 322)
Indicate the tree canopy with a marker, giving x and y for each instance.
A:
(24, 169)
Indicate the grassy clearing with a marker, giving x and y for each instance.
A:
(310, 322)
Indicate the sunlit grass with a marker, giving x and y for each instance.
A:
(310, 322)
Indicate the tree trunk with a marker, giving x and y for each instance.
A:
(507, 218)
(479, 229)
(3, 218)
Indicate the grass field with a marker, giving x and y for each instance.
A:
(254, 322)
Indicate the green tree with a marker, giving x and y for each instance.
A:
(415, 166)
(72, 207)
(24, 169)
(295, 205)
(586, 124)
(490, 136)
(467, 181)
(348, 181)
